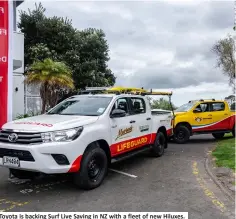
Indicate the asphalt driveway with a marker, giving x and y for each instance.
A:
(175, 182)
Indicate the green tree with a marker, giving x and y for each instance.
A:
(161, 104)
(52, 77)
(225, 52)
(85, 51)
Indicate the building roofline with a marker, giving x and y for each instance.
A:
(18, 2)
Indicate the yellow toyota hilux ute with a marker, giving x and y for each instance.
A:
(214, 117)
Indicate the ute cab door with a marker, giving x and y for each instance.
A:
(142, 118)
(122, 130)
(202, 117)
(219, 114)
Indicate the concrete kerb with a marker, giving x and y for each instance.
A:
(209, 169)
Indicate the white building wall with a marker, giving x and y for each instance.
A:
(18, 96)
(18, 78)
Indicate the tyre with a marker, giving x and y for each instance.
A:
(22, 174)
(218, 135)
(182, 134)
(233, 131)
(93, 169)
(158, 147)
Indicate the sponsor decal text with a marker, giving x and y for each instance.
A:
(34, 123)
(125, 131)
(132, 144)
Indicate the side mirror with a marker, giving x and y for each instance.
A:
(197, 110)
(116, 113)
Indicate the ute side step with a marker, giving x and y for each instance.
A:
(212, 132)
(130, 154)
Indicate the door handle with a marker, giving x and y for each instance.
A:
(114, 126)
(209, 115)
(132, 121)
(226, 114)
(148, 118)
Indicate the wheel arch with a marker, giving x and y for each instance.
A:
(164, 131)
(103, 145)
(186, 124)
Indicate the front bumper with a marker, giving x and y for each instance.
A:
(39, 157)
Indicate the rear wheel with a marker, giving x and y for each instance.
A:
(93, 169)
(158, 147)
(182, 134)
(233, 131)
(218, 135)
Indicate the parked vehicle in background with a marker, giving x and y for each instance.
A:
(83, 135)
(203, 117)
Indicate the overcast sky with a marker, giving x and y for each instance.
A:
(158, 44)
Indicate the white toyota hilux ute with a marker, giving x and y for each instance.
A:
(83, 135)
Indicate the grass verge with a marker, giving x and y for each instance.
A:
(225, 152)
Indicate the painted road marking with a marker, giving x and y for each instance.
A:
(36, 188)
(121, 172)
(40, 187)
(6, 205)
(220, 205)
(18, 181)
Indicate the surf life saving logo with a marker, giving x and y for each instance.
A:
(123, 132)
(198, 119)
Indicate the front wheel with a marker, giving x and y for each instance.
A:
(158, 147)
(218, 135)
(182, 134)
(233, 131)
(93, 169)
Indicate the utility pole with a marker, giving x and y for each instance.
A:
(234, 36)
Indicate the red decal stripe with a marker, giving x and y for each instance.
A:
(121, 147)
(169, 132)
(128, 145)
(224, 124)
(153, 138)
(76, 165)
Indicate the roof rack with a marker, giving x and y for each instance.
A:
(207, 99)
(123, 90)
(128, 90)
(201, 100)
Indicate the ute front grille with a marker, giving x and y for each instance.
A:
(20, 137)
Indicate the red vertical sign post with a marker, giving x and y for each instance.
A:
(4, 46)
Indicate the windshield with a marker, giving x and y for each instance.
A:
(82, 106)
(186, 107)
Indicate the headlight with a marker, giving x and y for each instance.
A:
(62, 135)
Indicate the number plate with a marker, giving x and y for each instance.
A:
(11, 161)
